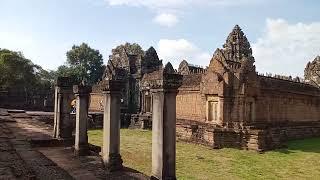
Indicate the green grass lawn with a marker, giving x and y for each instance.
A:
(300, 161)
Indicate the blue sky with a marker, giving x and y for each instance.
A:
(284, 34)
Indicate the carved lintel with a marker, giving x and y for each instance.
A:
(82, 89)
(64, 90)
(112, 85)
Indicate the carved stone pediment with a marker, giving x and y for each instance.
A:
(212, 83)
(165, 78)
(218, 62)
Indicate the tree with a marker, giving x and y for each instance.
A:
(84, 62)
(19, 72)
(15, 70)
(45, 79)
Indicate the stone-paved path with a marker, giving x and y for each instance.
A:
(19, 159)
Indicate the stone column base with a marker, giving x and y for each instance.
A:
(115, 163)
(83, 151)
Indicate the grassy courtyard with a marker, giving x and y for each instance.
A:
(300, 161)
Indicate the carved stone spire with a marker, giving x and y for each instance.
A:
(237, 46)
(152, 53)
(151, 58)
(151, 61)
(312, 72)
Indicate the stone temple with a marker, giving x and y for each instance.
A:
(129, 63)
(227, 104)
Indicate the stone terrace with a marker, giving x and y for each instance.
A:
(27, 151)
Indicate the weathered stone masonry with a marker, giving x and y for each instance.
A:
(82, 93)
(230, 105)
(63, 124)
(111, 124)
(163, 85)
(227, 104)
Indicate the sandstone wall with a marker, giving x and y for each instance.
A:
(258, 139)
(95, 99)
(190, 105)
(215, 137)
(287, 101)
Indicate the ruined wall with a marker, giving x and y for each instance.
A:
(190, 105)
(193, 131)
(19, 99)
(95, 102)
(96, 97)
(287, 101)
(263, 139)
(215, 137)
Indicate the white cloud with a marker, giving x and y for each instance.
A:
(174, 7)
(286, 48)
(152, 4)
(165, 19)
(178, 4)
(177, 50)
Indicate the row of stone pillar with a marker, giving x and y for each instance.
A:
(65, 92)
(164, 91)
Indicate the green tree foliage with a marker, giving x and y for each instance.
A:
(19, 72)
(83, 63)
(45, 79)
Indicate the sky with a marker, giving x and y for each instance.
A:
(284, 34)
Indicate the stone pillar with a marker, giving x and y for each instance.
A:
(82, 94)
(143, 102)
(63, 96)
(241, 108)
(164, 91)
(111, 125)
(223, 109)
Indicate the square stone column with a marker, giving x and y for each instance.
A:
(164, 87)
(63, 96)
(82, 94)
(111, 125)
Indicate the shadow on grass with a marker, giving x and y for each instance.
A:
(305, 145)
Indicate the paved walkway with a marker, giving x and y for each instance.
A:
(19, 159)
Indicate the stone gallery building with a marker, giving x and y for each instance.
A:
(227, 104)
